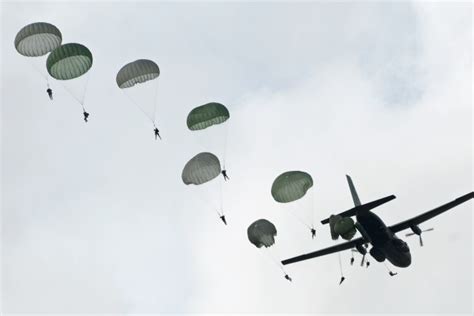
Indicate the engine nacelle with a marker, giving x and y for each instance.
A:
(377, 254)
(416, 229)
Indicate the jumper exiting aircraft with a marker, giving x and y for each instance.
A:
(385, 244)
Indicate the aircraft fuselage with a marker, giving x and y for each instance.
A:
(384, 240)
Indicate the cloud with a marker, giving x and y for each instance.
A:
(99, 213)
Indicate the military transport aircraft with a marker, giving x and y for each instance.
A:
(385, 244)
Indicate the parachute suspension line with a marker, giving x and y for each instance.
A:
(71, 94)
(224, 149)
(140, 108)
(312, 208)
(44, 76)
(83, 96)
(35, 67)
(299, 219)
(274, 260)
(223, 162)
(207, 202)
(155, 101)
(340, 264)
(221, 197)
(80, 99)
(206, 198)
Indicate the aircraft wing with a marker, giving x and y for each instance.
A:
(325, 251)
(430, 214)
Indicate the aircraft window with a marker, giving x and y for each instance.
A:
(400, 245)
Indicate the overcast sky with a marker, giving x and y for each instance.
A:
(95, 217)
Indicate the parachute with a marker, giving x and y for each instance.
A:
(37, 39)
(291, 186)
(345, 228)
(288, 189)
(201, 168)
(207, 115)
(201, 118)
(333, 219)
(139, 82)
(69, 61)
(262, 233)
(139, 71)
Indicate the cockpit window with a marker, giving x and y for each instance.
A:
(400, 245)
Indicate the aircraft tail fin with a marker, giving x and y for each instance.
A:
(355, 196)
(362, 208)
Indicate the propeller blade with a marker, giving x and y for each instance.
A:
(409, 234)
(363, 261)
(421, 242)
(428, 230)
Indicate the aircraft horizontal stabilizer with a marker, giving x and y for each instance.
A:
(363, 208)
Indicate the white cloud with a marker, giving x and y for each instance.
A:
(99, 214)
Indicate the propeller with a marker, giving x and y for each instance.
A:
(419, 234)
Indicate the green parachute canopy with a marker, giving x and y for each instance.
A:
(333, 219)
(291, 186)
(37, 39)
(345, 227)
(69, 61)
(201, 168)
(262, 233)
(139, 71)
(207, 115)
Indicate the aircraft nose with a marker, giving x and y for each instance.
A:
(406, 261)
